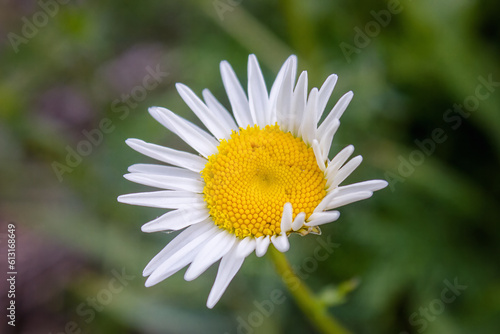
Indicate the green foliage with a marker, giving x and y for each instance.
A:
(437, 222)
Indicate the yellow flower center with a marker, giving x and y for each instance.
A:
(254, 174)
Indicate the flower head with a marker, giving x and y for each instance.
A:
(258, 178)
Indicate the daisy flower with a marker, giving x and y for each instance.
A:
(258, 178)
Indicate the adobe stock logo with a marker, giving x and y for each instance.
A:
(363, 37)
(437, 306)
(453, 118)
(223, 6)
(266, 307)
(94, 304)
(31, 27)
(120, 107)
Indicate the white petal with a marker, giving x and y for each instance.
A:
(205, 114)
(167, 181)
(298, 221)
(236, 95)
(342, 156)
(228, 267)
(341, 105)
(371, 185)
(325, 141)
(179, 256)
(286, 217)
(245, 247)
(348, 199)
(219, 110)
(320, 218)
(177, 220)
(292, 60)
(324, 94)
(165, 199)
(257, 92)
(298, 104)
(281, 242)
(294, 68)
(198, 139)
(322, 206)
(284, 100)
(336, 112)
(163, 170)
(307, 129)
(168, 155)
(163, 273)
(261, 246)
(211, 252)
(345, 171)
(336, 163)
(320, 159)
(178, 242)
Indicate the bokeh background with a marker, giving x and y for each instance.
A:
(74, 69)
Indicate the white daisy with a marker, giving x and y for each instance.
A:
(258, 177)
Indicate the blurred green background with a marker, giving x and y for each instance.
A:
(69, 70)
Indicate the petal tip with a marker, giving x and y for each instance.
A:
(133, 141)
(149, 282)
(211, 303)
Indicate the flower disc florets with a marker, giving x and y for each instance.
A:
(254, 174)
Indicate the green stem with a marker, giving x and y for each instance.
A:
(312, 307)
